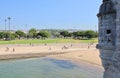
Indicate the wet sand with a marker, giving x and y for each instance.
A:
(73, 51)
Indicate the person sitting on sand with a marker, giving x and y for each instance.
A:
(50, 48)
(62, 48)
(7, 49)
(88, 46)
(45, 44)
(65, 47)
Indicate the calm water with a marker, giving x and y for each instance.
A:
(46, 68)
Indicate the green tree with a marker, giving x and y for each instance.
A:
(13, 36)
(75, 34)
(65, 34)
(2, 35)
(5, 35)
(90, 34)
(9, 36)
(20, 34)
(55, 34)
(79, 34)
(43, 34)
(96, 34)
(82, 34)
(32, 33)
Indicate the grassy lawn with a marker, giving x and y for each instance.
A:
(39, 41)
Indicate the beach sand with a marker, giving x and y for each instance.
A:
(78, 52)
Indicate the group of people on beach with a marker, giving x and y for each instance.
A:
(64, 47)
(7, 49)
(90, 44)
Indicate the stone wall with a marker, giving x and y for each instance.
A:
(109, 37)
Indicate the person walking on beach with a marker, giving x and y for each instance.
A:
(88, 46)
(13, 50)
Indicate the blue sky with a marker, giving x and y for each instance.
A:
(50, 14)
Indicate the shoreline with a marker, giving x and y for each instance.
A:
(79, 53)
(8, 56)
(24, 56)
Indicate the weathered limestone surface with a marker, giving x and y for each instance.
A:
(109, 37)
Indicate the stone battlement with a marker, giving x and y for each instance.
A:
(109, 37)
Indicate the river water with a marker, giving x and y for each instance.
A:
(46, 68)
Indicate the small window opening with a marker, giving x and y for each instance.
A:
(108, 31)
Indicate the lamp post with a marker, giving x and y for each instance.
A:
(5, 29)
(5, 24)
(9, 18)
(26, 34)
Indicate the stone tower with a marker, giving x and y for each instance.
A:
(109, 37)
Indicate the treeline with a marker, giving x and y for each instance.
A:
(43, 34)
(88, 34)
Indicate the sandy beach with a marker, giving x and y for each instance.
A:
(72, 51)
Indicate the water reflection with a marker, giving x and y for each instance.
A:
(62, 63)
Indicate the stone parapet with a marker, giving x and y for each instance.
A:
(109, 37)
